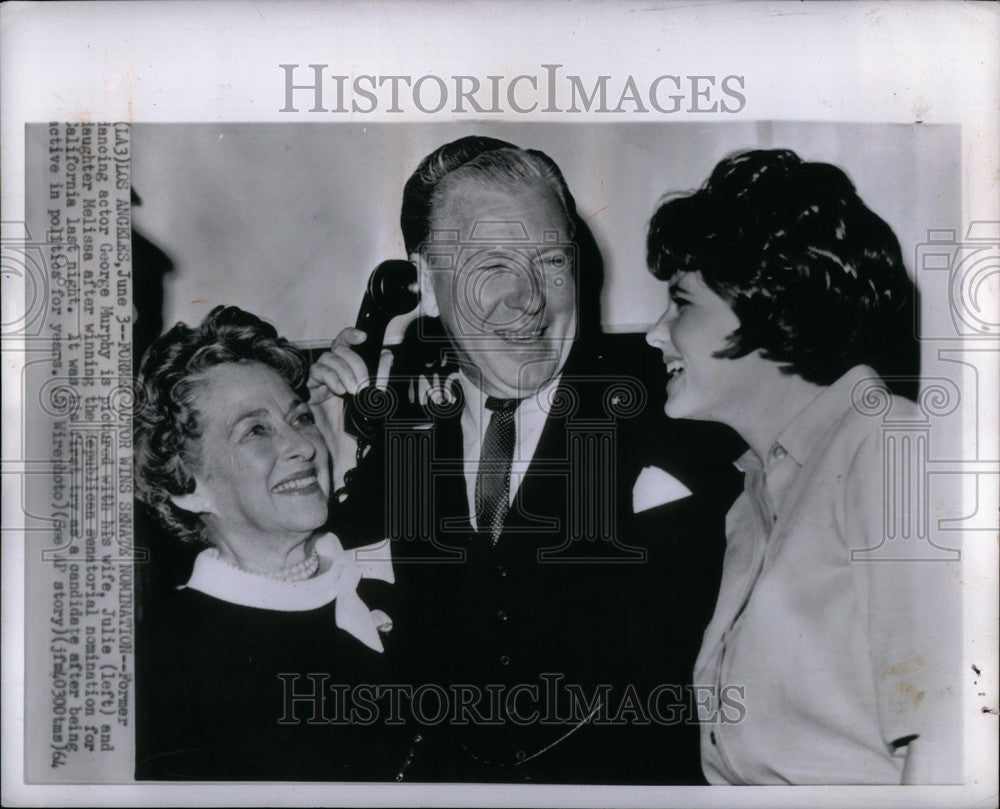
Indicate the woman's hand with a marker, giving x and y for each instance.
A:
(337, 373)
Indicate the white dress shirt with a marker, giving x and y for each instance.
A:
(529, 421)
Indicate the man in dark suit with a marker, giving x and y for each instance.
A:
(557, 543)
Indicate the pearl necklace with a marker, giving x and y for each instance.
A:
(300, 571)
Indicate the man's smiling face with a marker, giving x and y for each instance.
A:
(499, 270)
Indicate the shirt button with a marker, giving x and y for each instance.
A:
(504, 660)
(779, 451)
(711, 736)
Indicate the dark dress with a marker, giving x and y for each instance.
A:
(218, 682)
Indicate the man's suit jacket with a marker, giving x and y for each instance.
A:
(580, 597)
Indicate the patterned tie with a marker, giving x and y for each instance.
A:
(493, 479)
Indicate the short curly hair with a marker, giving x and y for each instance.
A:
(167, 425)
(815, 277)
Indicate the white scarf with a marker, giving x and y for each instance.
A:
(339, 573)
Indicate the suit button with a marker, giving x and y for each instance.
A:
(501, 615)
(501, 571)
(520, 755)
(504, 660)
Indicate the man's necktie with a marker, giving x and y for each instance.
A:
(493, 479)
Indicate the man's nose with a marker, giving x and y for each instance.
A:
(658, 335)
(525, 291)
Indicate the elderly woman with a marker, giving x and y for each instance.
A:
(833, 659)
(276, 615)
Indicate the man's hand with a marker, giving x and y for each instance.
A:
(337, 373)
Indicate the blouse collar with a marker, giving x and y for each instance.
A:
(337, 580)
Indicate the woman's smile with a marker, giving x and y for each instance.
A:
(264, 469)
(304, 482)
(696, 325)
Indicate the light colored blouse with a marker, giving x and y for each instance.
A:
(818, 665)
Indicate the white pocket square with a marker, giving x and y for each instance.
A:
(654, 487)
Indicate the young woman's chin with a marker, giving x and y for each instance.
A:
(677, 408)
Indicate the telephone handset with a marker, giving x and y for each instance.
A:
(392, 291)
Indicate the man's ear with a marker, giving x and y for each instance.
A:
(428, 299)
(197, 502)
